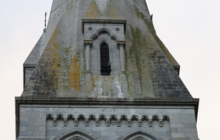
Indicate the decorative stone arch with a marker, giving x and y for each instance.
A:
(102, 116)
(81, 116)
(49, 117)
(93, 116)
(76, 132)
(102, 40)
(124, 116)
(90, 38)
(104, 30)
(142, 133)
(108, 42)
(166, 118)
(94, 31)
(134, 116)
(114, 53)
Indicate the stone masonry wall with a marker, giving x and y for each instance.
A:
(107, 123)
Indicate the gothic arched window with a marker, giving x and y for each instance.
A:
(105, 63)
(139, 138)
(140, 135)
(77, 138)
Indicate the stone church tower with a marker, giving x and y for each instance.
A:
(100, 72)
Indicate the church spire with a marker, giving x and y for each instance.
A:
(141, 66)
(100, 72)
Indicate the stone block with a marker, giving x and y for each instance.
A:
(108, 129)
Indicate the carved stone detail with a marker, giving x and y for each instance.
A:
(77, 138)
(142, 132)
(140, 123)
(76, 122)
(140, 138)
(97, 123)
(87, 122)
(112, 119)
(121, 43)
(82, 132)
(150, 123)
(161, 123)
(55, 122)
(119, 123)
(65, 122)
(129, 123)
(88, 42)
(108, 123)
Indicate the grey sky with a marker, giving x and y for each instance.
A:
(189, 28)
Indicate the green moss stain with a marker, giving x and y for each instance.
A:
(129, 70)
(139, 54)
(111, 11)
(153, 32)
(137, 47)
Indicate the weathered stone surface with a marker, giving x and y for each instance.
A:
(38, 122)
(60, 72)
(66, 97)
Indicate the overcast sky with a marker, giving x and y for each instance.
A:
(189, 28)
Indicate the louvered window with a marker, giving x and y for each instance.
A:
(105, 63)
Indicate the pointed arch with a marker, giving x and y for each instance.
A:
(76, 134)
(77, 138)
(105, 60)
(104, 30)
(135, 135)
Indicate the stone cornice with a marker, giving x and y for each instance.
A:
(30, 99)
(101, 101)
(106, 21)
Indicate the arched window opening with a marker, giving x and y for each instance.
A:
(105, 63)
(77, 138)
(140, 135)
(139, 138)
